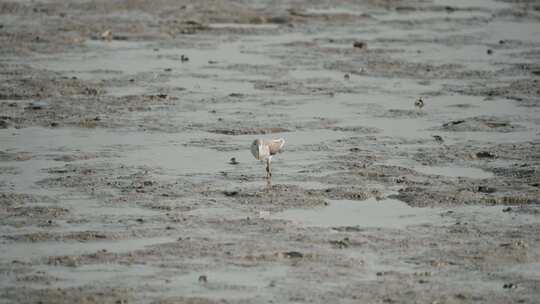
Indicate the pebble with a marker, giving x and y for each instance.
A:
(203, 279)
(510, 286)
(360, 44)
(485, 154)
(230, 193)
(293, 254)
(438, 139)
(486, 189)
(419, 103)
(264, 214)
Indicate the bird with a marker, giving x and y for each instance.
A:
(419, 103)
(264, 149)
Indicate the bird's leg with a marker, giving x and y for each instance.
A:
(268, 173)
(268, 184)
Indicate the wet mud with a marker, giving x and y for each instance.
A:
(126, 174)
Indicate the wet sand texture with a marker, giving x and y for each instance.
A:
(119, 120)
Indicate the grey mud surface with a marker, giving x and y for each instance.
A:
(118, 120)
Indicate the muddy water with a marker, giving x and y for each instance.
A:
(369, 213)
(119, 188)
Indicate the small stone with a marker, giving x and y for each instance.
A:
(203, 279)
(438, 138)
(510, 286)
(264, 214)
(419, 103)
(293, 254)
(489, 51)
(23, 156)
(184, 58)
(233, 161)
(360, 44)
(230, 193)
(486, 189)
(453, 123)
(484, 154)
(345, 243)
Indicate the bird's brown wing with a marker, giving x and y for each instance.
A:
(275, 146)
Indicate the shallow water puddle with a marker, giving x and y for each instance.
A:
(334, 11)
(486, 4)
(264, 26)
(427, 16)
(131, 60)
(214, 84)
(98, 274)
(166, 151)
(32, 250)
(387, 213)
(29, 172)
(218, 213)
(232, 283)
(454, 171)
(531, 271)
(449, 171)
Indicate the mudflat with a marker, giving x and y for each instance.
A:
(118, 121)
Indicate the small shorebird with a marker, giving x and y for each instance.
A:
(264, 149)
(419, 104)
